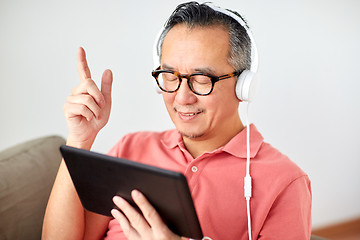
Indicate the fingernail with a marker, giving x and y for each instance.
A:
(136, 193)
(116, 199)
(113, 212)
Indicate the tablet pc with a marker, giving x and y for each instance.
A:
(98, 178)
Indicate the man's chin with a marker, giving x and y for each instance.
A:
(191, 135)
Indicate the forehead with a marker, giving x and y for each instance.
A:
(196, 46)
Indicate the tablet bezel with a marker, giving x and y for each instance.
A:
(95, 181)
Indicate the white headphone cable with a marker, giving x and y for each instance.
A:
(247, 179)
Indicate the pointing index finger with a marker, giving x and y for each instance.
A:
(83, 68)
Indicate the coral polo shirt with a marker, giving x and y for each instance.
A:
(281, 193)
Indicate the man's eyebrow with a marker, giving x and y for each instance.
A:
(167, 67)
(205, 70)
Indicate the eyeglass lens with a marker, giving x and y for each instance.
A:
(200, 84)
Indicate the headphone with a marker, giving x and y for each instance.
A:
(246, 84)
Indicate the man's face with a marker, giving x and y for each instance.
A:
(200, 49)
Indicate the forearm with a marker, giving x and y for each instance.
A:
(64, 217)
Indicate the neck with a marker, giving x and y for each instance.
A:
(210, 142)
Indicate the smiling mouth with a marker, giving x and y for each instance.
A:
(188, 115)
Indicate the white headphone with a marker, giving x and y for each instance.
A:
(247, 81)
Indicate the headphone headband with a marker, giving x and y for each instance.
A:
(254, 52)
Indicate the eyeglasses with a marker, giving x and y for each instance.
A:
(199, 83)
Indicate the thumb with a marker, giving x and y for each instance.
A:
(106, 85)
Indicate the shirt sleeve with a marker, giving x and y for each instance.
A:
(290, 215)
(114, 232)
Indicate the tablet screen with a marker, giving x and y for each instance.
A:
(98, 178)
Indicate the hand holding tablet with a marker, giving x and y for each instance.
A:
(148, 225)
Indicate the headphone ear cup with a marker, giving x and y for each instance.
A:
(246, 86)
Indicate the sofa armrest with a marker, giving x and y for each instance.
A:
(27, 173)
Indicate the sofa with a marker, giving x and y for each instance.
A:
(27, 173)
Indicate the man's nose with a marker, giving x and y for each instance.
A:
(184, 95)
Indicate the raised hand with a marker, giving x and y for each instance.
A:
(87, 109)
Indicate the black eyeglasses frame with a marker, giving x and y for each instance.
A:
(180, 76)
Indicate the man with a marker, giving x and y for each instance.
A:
(208, 145)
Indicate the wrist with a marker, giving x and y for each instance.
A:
(83, 144)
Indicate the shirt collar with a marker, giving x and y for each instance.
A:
(236, 146)
(172, 138)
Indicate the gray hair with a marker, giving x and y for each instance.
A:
(193, 14)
